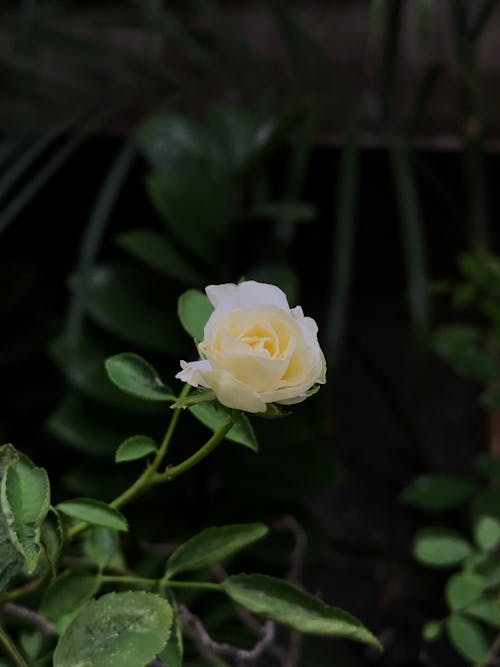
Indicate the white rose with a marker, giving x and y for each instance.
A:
(256, 349)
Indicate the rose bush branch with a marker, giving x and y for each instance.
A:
(32, 617)
(239, 654)
(174, 471)
(256, 354)
(144, 481)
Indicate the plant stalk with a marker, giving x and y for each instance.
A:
(11, 650)
(203, 452)
(143, 482)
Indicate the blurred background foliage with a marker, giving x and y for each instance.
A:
(345, 151)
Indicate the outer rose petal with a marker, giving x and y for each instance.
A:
(191, 372)
(246, 295)
(231, 392)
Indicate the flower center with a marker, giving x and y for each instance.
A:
(261, 339)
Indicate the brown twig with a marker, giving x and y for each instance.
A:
(32, 617)
(228, 650)
(288, 523)
(295, 573)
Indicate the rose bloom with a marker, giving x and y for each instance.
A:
(256, 349)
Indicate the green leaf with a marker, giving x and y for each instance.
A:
(487, 611)
(432, 630)
(127, 303)
(463, 589)
(171, 140)
(83, 367)
(460, 346)
(136, 447)
(94, 512)
(156, 251)
(52, 539)
(440, 547)
(101, 545)
(173, 653)
(213, 415)
(11, 559)
(134, 375)
(194, 204)
(117, 630)
(213, 545)
(68, 593)
(437, 493)
(468, 638)
(282, 602)
(194, 309)
(487, 532)
(25, 492)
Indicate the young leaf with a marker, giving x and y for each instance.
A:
(136, 447)
(213, 415)
(213, 545)
(487, 532)
(432, 630)
(25, 493)
(134, 375)
(194, 309)
(468, 637)
(440, 547)
(101, 545)
(156, 251)
(463, 589)
(282, 602)
(437, 493)
(67, 593)
(93, 511)
(117, 630)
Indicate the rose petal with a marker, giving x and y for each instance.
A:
(191, 372)
(246, 295)
(232, 393)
